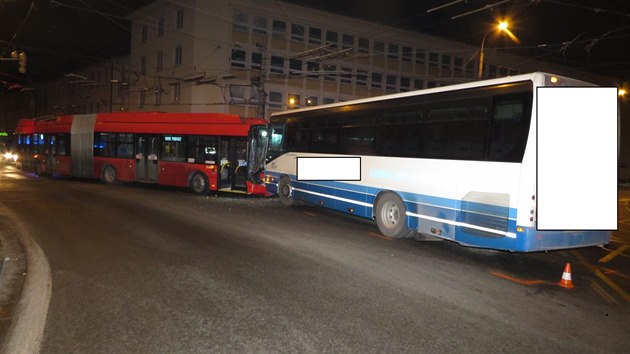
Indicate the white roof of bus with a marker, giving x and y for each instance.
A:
(537, 77)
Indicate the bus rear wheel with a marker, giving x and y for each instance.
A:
(109, 175)
(199, 183)
(391, 216)
(285, 192)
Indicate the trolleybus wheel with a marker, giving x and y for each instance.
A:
(109, 175)
(199, 183)
(391, 216)
(285, 192)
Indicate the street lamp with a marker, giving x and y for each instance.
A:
(501, 27)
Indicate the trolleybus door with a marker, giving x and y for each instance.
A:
(51, 158)
(147, 149)
(233, 163)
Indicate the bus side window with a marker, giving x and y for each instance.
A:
(510, 127)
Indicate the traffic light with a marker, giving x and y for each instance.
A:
(22, 61)
(21, 57)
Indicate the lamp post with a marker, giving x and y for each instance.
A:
(501, 27)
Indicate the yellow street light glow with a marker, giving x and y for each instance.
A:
(621, 92)
(503, 26)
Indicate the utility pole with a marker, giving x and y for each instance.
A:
(260, 82)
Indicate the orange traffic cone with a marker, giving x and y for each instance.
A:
(565, 282)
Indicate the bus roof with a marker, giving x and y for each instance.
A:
(539, 79)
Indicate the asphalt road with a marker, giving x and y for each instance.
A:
(142, 269)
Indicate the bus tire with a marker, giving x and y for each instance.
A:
(199, 183)
(109, 174)
(285, 192)
(391, 216)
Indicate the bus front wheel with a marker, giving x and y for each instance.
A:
(199, 183)
(391, 216)
(109, 175)
(285, 192)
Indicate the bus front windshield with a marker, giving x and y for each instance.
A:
(258, 144)
(276, 132)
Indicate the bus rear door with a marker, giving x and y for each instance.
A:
(147, 149)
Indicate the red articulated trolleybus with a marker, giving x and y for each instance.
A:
(203, 151)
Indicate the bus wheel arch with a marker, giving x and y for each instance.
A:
(108, 174)
(285, 191)
(390, 214)
(198, 183)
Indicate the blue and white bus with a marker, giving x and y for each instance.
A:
(455, 162)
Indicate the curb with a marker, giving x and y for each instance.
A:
(28, 281)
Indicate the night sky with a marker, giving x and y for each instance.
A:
(593, 35)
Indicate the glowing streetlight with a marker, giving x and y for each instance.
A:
(621, 92)
(503, 26)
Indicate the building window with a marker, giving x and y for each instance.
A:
(434, 59)
(418, 84)
(275, 99)
(362, 76)
(331, 73)
(237, 93)
(143, 65)
(446, 61)
(260, 25)
(279, 29)
(178, 55)
(407, 53)
(332, 38)
(420, 56)
(432, 84)
(314, 35)
(145, 31)
(364, 45)
(379, 48)
(313, 70)
(377, 80)
(405, 84)
(459, 64)
(470, 68)
(160, 27)
(346, 75)
(158, 96)
(311, 101)
(328, 100)
(295, 67)
(297, 33)
(159, 60)
(238, 58)
(392, 82)
(277, 64)
(179, 21)
(392, 51)
(256, 60)
(240, 22)
(348, 41)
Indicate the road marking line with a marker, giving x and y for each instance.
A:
(617, 273)
(382, 237)
(612, 284)
(310, 214)
(607, 258)
(517, 280)
(583, 260)
(603, 293)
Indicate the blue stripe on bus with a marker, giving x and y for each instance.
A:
(493, 217)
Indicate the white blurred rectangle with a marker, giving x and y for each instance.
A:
(328, 168)
(577, 158)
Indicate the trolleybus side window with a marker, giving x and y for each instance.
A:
(63, 145)
(125, 144)
(105, 144)
(174, 148)
(202, 149)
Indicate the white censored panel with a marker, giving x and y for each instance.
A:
(577, 158)
(328, 168)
